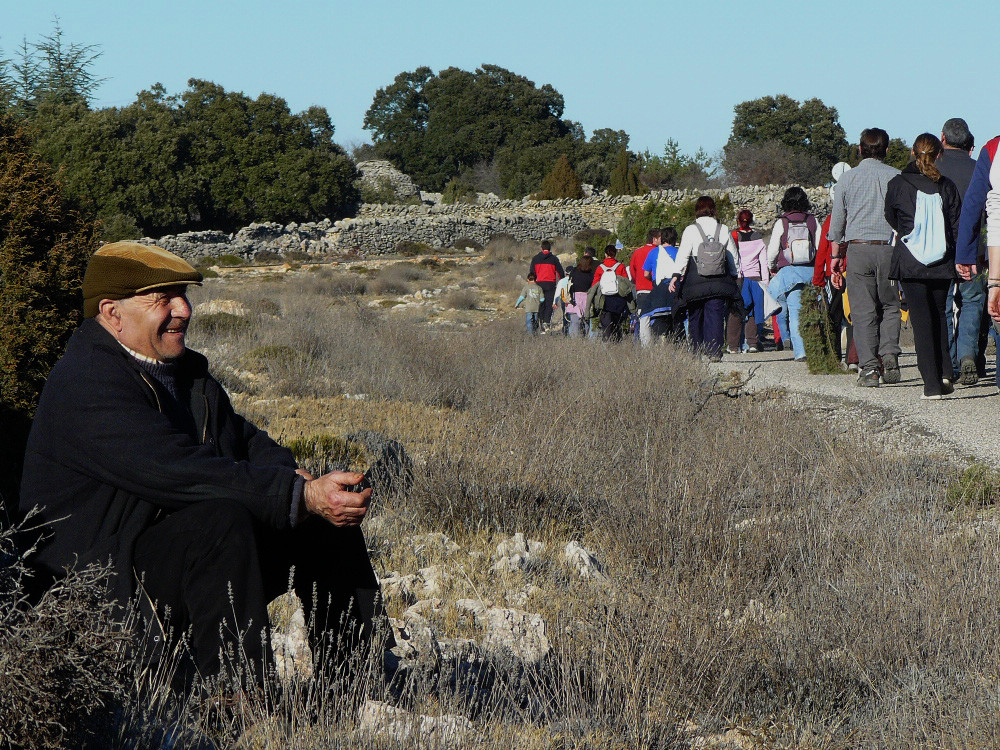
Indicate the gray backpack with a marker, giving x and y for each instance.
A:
(711, 257)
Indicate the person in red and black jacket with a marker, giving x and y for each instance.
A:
(548, 270)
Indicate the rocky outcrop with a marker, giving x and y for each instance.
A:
(379, 228)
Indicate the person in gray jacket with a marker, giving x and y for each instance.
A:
(858, 227)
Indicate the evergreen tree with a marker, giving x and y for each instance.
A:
(44, 247)
(561, 182)
(625, 176)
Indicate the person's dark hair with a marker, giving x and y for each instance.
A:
(610, 251)
(531, 276)
(669, 235)
(956, 132)
(744, 218)
(704, 206)
(546, 245)
(926, 149)
(874, 143)
(653, 234)
(795, 199)
(586, 264)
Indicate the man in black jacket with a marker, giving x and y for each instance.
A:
(136, 456)
(966, 302)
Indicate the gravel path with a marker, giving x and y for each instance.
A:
(962, 425)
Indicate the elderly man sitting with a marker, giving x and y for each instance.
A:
(136, 456)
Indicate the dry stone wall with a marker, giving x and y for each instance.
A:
(379, 228)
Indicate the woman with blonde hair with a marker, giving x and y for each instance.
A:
(923, 207)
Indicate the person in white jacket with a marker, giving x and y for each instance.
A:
(708, 299)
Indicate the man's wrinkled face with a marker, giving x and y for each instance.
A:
(153, 324)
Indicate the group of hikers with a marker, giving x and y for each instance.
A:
(896, 243)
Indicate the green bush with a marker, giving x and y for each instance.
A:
(208, 272)
(817, 333)
(978, 486)
(229, 260)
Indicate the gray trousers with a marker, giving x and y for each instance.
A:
(874, 301)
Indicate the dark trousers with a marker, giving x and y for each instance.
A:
(549, 290)
(212, 569)
(706, 325)
(613, 325)
(926, 299)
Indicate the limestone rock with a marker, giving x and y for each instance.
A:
(291, 647)
(583, 561)
(517, 553)
(510, 632)
(402, 728)
(396, 586)
(434, 580)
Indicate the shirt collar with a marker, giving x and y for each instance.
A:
(141, 357)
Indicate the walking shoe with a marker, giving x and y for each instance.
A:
(800, 359)
(935, 397)
(968, 373)
(868, 379)
(890, 368)
(946, 387)
(853, 367)
(732, 351)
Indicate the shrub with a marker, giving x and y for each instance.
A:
(458, 191)
(817, 333)
(44, 246)
(463, 243)
(267, 306)
(267, 257)
(208, 272)
(379, 192)
(461, 299)
(222, 323)
(978, 486)
(263, 355)
(228, 260)
(409, 249)
(62, 657)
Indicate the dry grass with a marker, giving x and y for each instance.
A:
(767, 575)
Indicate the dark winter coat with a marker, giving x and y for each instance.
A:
(900, 207)
(696, 288)
(106, 458)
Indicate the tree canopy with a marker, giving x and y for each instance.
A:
(207, 158)
(438, 126)
(801, 141)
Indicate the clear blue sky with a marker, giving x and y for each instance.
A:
(654, 69)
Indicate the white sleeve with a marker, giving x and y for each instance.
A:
(774, 244)
(686, 249)
(993, 219)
